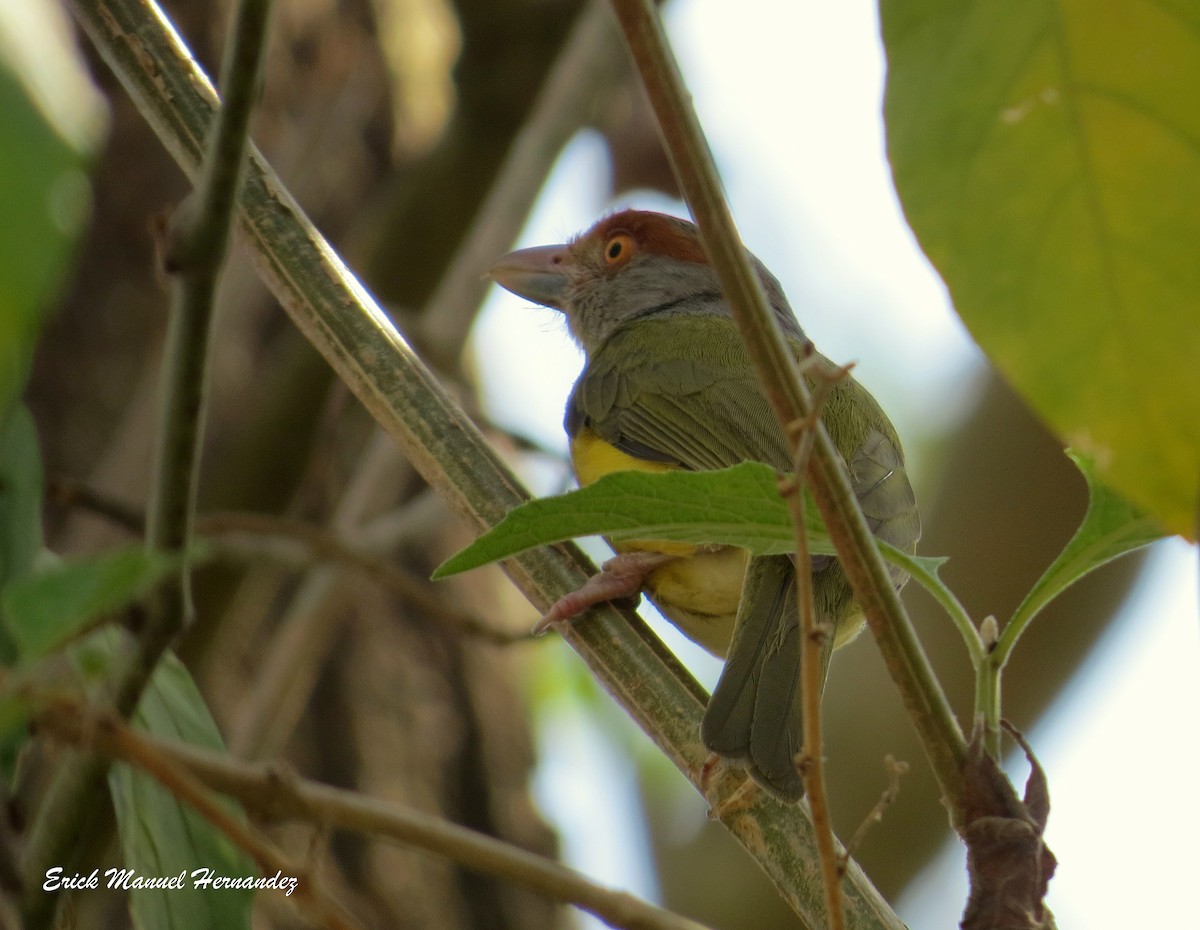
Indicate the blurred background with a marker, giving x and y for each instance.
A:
(391, 121)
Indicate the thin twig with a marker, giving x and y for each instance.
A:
(814, 641)
(222, 530)
(895, 771)
(941, 736)
(79, 781)
(195, 252)
(67, 492)
(324, 546)
(188, 772)
(309, 627)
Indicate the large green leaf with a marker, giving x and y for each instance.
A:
(738, 506)
(1048, 158)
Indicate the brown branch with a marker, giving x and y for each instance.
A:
(815, 639)
(67, 492)
(327, 547)
(319, 545)
(189, 773)
(588, 66)
(109, 735)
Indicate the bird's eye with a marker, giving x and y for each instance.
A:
(618, 248)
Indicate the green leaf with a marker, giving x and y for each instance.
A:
(43, 610)
(1111, 528)
(1048, 158)
(162, 837)
(50, 121)
(20, 504)
(738, 506)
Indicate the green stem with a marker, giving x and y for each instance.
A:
(195, 253)
(987, 701)
(1016, 626)
(943, 595)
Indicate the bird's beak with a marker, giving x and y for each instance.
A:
(538, 274)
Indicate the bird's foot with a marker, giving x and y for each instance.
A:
(708, 772)
(621, 576)
(733, 803)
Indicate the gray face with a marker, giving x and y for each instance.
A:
(598, 298)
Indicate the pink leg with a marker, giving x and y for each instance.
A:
(622, 576)
(740, 798)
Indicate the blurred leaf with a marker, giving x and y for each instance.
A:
(1048, 159)
(162, 837)
(738, 506)
(50, 119)
(43, 610)
(20, 505)
(1111, 528)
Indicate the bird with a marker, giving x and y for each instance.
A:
(667, 385)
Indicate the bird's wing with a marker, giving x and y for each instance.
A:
(872, 455)
(695, 403)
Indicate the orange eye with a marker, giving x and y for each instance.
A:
(618, 249)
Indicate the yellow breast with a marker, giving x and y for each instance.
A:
(594, 458)
(700, 590)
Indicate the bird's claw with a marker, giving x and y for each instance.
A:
(620, 577)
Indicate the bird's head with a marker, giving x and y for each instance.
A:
(630, 265)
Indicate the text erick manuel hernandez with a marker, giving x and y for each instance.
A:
(129, 880)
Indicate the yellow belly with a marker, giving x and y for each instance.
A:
(698, 591)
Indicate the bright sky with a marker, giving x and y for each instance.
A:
(790, 95)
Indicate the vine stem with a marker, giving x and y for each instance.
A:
(813, 645)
